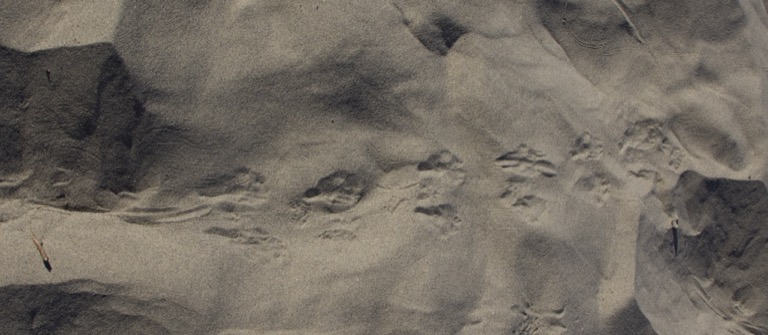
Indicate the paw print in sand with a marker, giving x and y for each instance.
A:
(598, 186)
(338, 234)
(440, 174)
(445, 216)
(587, 148)
(336, 192)
(526, 166)
(532, 322)
(256, 237)
(443, 160)
(241, 179)
(530, 207)
(646, 140)
(526, 162)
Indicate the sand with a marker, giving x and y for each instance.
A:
(370, 167)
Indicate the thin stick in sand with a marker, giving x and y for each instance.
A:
(43, 255)
(674, 236)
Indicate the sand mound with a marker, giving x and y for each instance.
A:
(715, 278)
(69, 126)
(89, 307)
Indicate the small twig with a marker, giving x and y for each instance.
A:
(675, 236)
(43, 255)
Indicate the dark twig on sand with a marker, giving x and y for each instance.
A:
(674, 236)
(43, 255)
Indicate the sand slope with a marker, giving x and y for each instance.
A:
(369, 167)
(69, 123)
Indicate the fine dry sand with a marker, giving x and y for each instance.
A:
(384, 167)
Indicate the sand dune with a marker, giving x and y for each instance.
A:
(369, 167)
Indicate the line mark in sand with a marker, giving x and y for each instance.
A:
(623, 8)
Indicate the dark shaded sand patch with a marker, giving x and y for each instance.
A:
(89, 307)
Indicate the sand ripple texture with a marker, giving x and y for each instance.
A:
(383, 167)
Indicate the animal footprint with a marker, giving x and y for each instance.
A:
(526, 165)
(445, 215)
(254, 236)
(443, 160)
(240, 180)
(338, 234)
(597, 185)
(646, 135)
(645, 138)
(587, 148)
(237, 190)
(336, 192)
(439, 175)
(256, 242)
(532, 322)
(439, 210)
(298, 211)
(526, 162)
(529, 206)
(675, 155)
